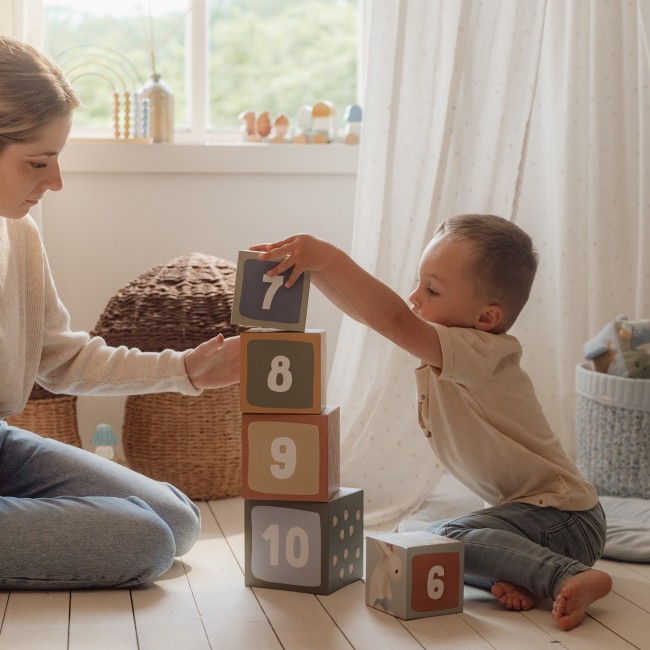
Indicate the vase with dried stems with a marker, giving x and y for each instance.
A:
(156, 95)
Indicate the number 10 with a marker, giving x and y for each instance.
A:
(295, 534)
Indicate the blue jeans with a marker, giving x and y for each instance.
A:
(70, 519)
(532, 547)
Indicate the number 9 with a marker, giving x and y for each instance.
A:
(283, 450)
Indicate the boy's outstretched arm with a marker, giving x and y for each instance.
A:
(355, 291)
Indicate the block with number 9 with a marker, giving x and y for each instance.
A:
(263, 301)
(305, 546)
(282, 372)
(289, 456)
(414, 574)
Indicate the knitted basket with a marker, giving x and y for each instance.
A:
(613, 433)
(192, 442)
(50, 416)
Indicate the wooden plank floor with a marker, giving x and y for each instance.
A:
(202, 604)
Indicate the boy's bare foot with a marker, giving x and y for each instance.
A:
(514, 597)
(576, 594)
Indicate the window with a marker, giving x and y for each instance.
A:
(220, 57)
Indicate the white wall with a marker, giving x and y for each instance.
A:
(128, 207)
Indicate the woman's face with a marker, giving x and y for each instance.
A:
(29, 169)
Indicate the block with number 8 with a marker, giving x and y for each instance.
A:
(264, 301)
(282, 372)
(289, 456)
(414, 574)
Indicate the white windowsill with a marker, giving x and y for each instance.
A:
(109, 156)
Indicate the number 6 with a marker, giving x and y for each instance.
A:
(435, 586)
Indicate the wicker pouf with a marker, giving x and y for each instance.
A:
(192, 442)
(50, 416)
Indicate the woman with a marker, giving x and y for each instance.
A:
(68, 518)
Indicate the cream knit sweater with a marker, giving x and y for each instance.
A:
(37, 344)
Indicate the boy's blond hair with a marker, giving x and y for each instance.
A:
(504, 260)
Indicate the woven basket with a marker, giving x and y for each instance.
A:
(50, 416)
(613, 433)
(192, 442)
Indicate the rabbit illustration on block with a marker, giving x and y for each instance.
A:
(389, 569)
(412, 574)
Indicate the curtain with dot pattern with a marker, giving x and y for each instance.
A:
(536, 111)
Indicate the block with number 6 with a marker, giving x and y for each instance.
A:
(263, 301)
(282, 372)
(414, 574)
(305, 546)
(289, 456)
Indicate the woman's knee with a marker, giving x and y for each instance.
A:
(184, 520)
(151, 546)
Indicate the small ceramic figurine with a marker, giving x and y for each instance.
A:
(104, 440)
(304, 124)
(264, 125)
(280, 128)
(247, 128)
(323, 119)
(352, 117)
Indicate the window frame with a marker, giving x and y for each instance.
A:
(28, 24)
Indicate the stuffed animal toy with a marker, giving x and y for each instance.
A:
(621, 348)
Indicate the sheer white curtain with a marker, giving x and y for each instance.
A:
(532, 110)
(22, 19)
(585, 190)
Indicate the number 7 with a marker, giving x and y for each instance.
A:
(275, 283)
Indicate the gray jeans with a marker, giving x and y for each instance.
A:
(70, 519)
(532, 547)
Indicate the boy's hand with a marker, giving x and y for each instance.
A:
(301, 253)
(214, 363)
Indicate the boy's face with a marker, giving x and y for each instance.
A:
(446, 291)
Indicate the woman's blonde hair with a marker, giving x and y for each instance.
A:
(33, 92)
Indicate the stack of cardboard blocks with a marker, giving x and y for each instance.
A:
(303, 531)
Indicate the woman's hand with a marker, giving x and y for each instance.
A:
(214, 363)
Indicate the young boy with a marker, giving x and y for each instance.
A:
(478, 408)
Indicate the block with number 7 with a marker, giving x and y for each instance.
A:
(264, 301)
(282, 372)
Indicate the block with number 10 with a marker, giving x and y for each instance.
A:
(305, 546)
(264, 301)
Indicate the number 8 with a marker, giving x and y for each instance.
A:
(280, 370)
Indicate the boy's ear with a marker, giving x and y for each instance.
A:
(489, 318)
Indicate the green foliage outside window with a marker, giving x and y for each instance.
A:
(278, 56)
(273, 55)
